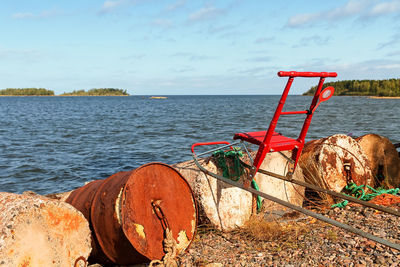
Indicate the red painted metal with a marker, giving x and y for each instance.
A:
(324, 95)
(209, 144)
(271, 141)
(120, 210)
(294, 112)
(306, 74)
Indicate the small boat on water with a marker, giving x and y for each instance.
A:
(158, 97)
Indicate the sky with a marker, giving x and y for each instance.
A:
(183, 47)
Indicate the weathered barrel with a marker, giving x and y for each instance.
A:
(37, 231)
(224, 206)
(383, 157)
(228, 207)
(130, 211)
(334, 161)
(278, 163)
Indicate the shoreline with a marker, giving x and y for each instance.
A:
(384, 97)
(54, 95)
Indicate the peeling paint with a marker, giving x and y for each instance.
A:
(118, 206)
(194, 224)
(140, 230)
(182, 241)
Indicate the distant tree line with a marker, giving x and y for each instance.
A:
(98, 92)
(390, 87)
(26, 92)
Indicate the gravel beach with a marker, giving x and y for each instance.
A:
(292, 239)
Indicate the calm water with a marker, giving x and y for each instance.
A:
(54, 144)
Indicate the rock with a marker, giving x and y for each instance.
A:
(59, 196)
(37, 231)
(213, 265)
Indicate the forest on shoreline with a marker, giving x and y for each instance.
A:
(381, 88)
(98, 92)
(46, 92)
(26, 92)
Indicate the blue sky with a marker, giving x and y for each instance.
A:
(194, 47)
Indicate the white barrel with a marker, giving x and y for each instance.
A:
(37, 231)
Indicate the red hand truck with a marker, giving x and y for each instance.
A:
(271, 141)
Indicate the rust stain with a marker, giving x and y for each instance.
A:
(68, 222)
(26, 262)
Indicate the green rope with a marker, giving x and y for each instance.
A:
(259, 199)
(234, 154)
(236, 171)
(358, 191)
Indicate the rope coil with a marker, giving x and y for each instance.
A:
(234, 172)
(358, 192)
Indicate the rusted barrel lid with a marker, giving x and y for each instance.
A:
(157, 185)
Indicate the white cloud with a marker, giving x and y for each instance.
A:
(394, 54)
(30, 15)
(192, 56)
(302, 19)
(351, 8)
(220, 29)
(133, 57)
(176, 5)
(395, 39)
(164, 23)
(110, 5)
(385, 8)
(23, 15)
(183, 69)
(388, 66)
(368, 69)
(313, 40)
(261, 59)
(19, 54)
(205, 13)
(264, 40)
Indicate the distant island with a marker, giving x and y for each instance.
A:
(380, 88)
(26, 92)
(98, 92)
(46, 92)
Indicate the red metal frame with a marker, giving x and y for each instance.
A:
(269, 141)
(209, 144)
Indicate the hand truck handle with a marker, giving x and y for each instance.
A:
(306, 74)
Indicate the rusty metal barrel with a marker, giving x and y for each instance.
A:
(130, 211)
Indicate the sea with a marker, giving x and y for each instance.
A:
(56, 144)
